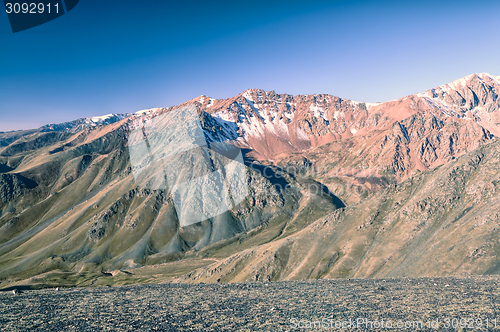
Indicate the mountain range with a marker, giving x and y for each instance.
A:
(336, 189)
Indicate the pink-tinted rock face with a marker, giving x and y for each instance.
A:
(399, 136)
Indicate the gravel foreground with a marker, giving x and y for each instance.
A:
(426, 304)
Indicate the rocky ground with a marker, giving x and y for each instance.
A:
(460, 304)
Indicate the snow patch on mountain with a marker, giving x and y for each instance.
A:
(336, 115)
(97, 119)
(146, 111)
(316, 110)
(247, 95)
(369, 105)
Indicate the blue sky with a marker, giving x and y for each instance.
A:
(122, 56)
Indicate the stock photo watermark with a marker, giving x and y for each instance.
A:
(171, 152)
(25, 15)
(390, 324)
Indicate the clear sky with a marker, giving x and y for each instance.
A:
(123, 56)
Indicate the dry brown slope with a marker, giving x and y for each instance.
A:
(443, 221)
(84, 213)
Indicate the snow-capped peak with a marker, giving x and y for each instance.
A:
(247, 95)
(462, 82)
(457, 85)
(496, 79)
(454, 99)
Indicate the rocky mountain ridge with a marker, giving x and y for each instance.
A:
(70, 206)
